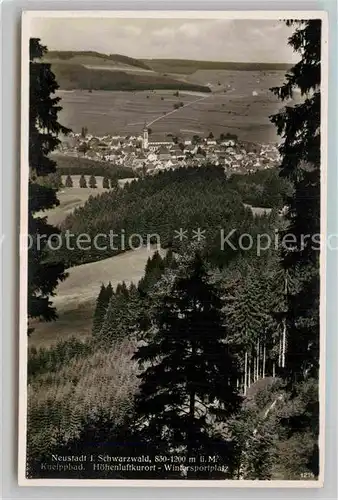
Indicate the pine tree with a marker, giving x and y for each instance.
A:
(299, 126)
(102, 302)
(153, 271)
(259, 453)
(114, 184)
(109, 292)
(69, 182)
(59, 180)
(169, 259)
(122, 290)
(83, 182)
(121, 316)
(92, 182)
(190, 374)
(105, 183)
(244, 316)
(45, 271)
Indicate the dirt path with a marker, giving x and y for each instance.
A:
(162, 117)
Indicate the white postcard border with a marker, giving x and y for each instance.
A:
(27, 17)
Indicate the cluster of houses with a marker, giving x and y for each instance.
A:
(149, 158)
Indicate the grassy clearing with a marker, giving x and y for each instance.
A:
(75, 300)
(83, 283)
(75, 197)
(70, 198)
(74, 322)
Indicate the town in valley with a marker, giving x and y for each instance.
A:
(147, 157)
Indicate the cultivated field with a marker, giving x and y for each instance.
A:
(76, 296)
(240, 103)
(117, 113)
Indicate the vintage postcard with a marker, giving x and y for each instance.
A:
(173, 214)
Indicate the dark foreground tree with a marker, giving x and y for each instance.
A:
(45, 271)
(299, 126)
(189, 377)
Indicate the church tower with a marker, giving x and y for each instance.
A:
(145, 137)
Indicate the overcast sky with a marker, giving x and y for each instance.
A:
(218, 40)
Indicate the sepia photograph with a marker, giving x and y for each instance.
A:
(172, 248)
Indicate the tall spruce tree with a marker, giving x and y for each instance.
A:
(153, 271)
(121, 316)
(105, 183)
(83, 182)
(92, 182)
(45, 271)
(190, 376)
(114, 183)
(69, 182)
(299, 126)
(245, 322)
(102, 302)
(169, 259)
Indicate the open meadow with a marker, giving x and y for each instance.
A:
(70, 199)
(240, 103)
(76, 296)
(75, 197)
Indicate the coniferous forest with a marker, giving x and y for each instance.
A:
(207, 367)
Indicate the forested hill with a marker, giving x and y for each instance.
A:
(79, 76)
(89, 56)
(187, 66)
(89, 70)
(186, 198)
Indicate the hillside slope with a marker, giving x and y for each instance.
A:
(188, 67)
(75, 299)
(77, 76)
(91, 57)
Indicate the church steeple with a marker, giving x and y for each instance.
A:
(145, 143)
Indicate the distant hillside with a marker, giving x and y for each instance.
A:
(186, 66)
(77, 76)
(91, 57)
